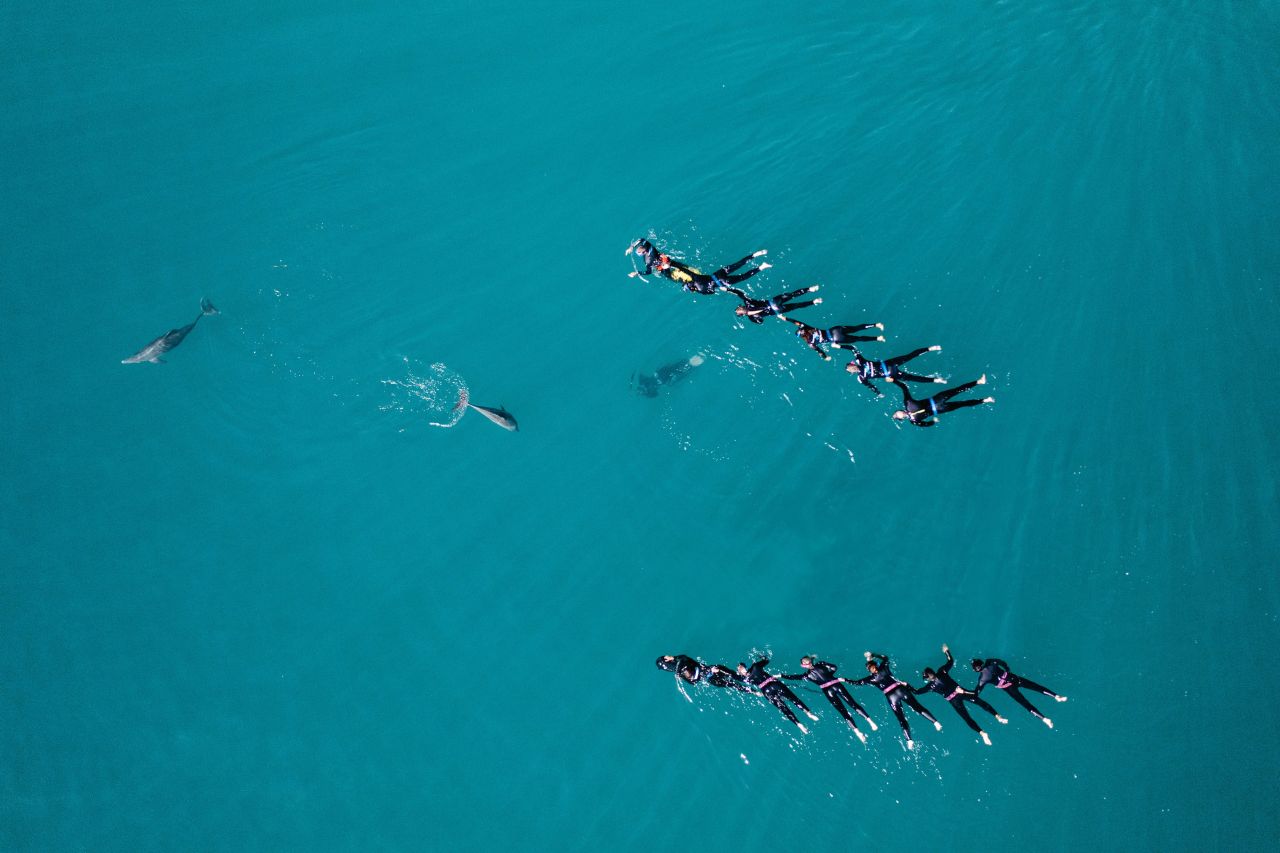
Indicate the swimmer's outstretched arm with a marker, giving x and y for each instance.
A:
(946, 667)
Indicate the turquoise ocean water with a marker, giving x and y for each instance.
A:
(251, 599)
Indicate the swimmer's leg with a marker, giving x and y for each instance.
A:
(795, 700)
(911, 377)
(921, 710)
(942, 396)
(1023, 701)
(853, 703)
(958, 704)
(985, 705)
(782, 309)
(1031, 685)
(777, 702)
(724, 278)
(946, 406)
(903, 359)
(902, 721)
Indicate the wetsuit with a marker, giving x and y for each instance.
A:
(690, 278)
(996, 673)
(774, 690)
(775, 306)
(922, 412)
(823, 674)
(693, 671)
(897, 692)
(944, 685)
(836, 336)
(866, 369)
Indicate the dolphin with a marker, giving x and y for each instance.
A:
(499, 416)
(170, 339)
(669, 374)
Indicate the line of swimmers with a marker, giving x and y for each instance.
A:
(755, 679)
(922, 413)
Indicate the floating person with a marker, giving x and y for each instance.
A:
(647, 385)
(836, 336)
(690, 278)
(923, 413)
(996, 672)
(823, 674)
(867, 369)
(897, 693)
(756, 310)
(940, 681)
(774, 690)
(694, 672)
(170, 339)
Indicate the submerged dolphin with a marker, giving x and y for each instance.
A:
(669, 374)
(499, 416)
(170, 339)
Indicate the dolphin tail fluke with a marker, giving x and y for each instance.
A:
(206, 308)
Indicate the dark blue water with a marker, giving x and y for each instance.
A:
(252, 599)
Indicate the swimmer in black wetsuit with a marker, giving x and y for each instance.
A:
(897, 692)
(823, 674)
(690, 278)
(756, 310)
(922, 412)
(837, 336)
(694, 672)
(867, 369)
(940, 681)
(774, 690)
(996, 672)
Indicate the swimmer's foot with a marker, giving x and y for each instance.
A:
(986, 738)
(1060, 698)
(817, 301)
(935, 348)
(1048, 722)
(812, 716)
(988, 399)
(765, 266)
(1000, 719)
(937, 725)
(911, 744)
(872, 723)
(759, 253)
(880, 326)
(880, 337)
(982, 380)
(813, 288)
(803, 730)
(860, 735)
(938, 380)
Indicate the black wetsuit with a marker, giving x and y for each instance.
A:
(823, 674)
(923, 413)
(996, 673)
(898, 693)
(866, 369)
(774, 690)
(944, 685)
(694, 671)
(836, 336)
(775, 306)
(686, 276)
